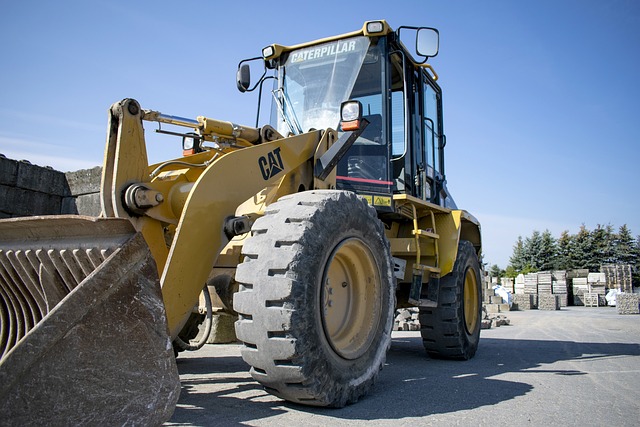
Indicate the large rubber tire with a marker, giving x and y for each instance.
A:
(316, 298)
(452, 330)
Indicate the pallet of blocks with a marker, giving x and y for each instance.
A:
(597, 283)
(531, 283)
(531, 287)
(523, 302)
(579, 287)
(618, 276)
(559, 286)
(518, 286)
(628, 303)
(544, 283)
(548, 302)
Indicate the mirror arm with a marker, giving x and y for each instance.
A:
(262, 80)
(251, 89)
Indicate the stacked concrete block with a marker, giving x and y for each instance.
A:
(581, 273)
(492, 302)
(523, 302)
(548, 302)
(628, 303)
(519, 284)
(618, 276)
(559, 282)
(559, 286)
(487, 289)
(27, 189)
(495, 299)
(577, 284)
(597, 283)
(407, 319)
(545, 282)
(496, 304)
(579, 287)
(531, 283)
(563, 298)
(84, 192)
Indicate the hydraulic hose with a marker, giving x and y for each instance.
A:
(207, 327)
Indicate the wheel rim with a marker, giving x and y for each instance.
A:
(471, 303)
(351, 298)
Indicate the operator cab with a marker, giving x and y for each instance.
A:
(401, 151)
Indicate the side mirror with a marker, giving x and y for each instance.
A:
(243, 78)
(350, 115)
(427, 42)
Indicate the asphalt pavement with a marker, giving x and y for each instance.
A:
(574, 367)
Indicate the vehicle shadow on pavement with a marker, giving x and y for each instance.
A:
(413, 385)
(410, 385)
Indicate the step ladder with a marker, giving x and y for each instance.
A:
(429, 234)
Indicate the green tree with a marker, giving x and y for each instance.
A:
(548, 251)
(517, 260)
(602, 248)
(624, 246)
(586, 249)
(511, 272)
(533, 249)
(563, 251)
(496, 271)
(581, 249)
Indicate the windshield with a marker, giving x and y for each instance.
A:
(314, 81)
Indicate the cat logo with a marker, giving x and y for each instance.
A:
(271, 164)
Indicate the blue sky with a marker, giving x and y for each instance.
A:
(541, 97)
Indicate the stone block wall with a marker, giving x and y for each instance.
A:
(84, 192)
(28, 190)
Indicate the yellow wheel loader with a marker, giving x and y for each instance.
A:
(311, 229)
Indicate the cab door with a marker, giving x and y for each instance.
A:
(432, 139)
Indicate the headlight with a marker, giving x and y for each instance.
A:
(375, 27)
(191, 144)
(268, 52)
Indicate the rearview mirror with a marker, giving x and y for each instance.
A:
(243, 78)
(427, 42)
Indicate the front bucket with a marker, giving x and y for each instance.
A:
(83, 338)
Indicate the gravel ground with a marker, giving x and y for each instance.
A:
(574, 367)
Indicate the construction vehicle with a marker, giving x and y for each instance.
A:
(312, 229)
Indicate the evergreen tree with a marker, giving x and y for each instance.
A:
(533, 250)
(563, 251)
(586, 249)
(548, 251)
(517, 260)
(496, 272)
(511, 272)
(602, 251)
(624, 246)
(581, 249)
